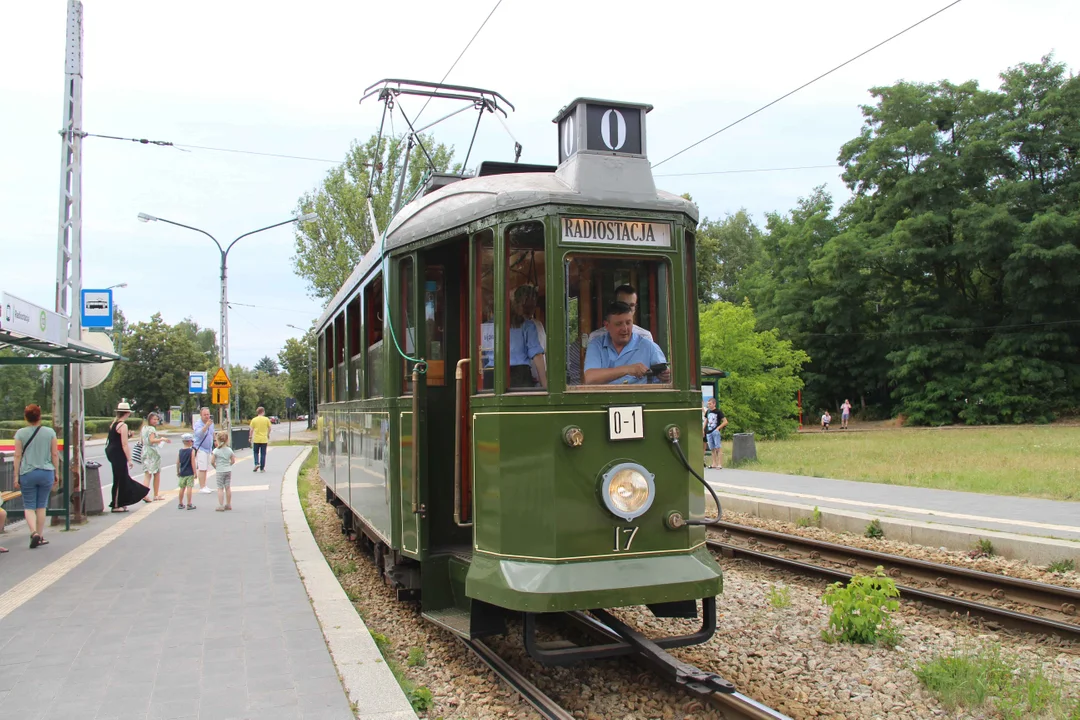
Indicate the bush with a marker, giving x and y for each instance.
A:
(763, 371)
(861, 611)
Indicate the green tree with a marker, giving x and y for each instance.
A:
(966, 209)
(159, 357)
(294, 358)
(329, 248)
(726, 250)
(267, 365)
(759, 394)
(259, 389)
(20, 386)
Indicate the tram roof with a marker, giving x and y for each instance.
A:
(462, 202)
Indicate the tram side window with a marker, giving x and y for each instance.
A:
(352, 325)
(525, 291)
(406, 324)
(618, 321)
(692, 308)
(435, 324)
(484, 274)
(373, 323)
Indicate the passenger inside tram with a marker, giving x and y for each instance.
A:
(621, 356)
(527, 365)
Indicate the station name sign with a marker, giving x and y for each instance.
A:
(615, 232)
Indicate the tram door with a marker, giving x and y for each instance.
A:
(445, 297)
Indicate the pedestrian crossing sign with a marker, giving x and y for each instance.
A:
(221, 380)
(219, 396)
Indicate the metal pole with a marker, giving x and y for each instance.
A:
(225, 330)
(69, 407)
(67, 448)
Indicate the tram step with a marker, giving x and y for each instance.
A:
(453, 619)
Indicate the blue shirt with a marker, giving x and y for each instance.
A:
(524, 344)
(602, 355)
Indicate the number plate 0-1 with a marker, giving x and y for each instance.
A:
(626, 423)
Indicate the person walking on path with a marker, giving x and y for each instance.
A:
(151, 457)
(845, 413)
(125, 490)
(185, 470)
(204, 446)
(37, 471)
(715, 421)
(224, 459)
(259, 436)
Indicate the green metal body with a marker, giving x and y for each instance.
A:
(541, 538)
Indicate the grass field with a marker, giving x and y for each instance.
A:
(1030, 460)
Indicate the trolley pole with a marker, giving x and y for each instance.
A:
(67, 400)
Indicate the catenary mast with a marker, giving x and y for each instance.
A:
(69, 241)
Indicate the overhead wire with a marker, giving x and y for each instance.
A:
(749, 170)
(460, 55)
(183, 148)
(807, 84)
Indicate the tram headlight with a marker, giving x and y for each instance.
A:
(628, 490)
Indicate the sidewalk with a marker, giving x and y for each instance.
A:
(1034, 528)
(162, 613)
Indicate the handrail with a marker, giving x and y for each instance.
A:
(459, 375)
(415, 441)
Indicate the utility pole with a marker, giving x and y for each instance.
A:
(69, 246)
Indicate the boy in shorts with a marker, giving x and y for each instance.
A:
(185, 470)
(223, 459)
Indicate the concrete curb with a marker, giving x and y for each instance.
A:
(1036, 550)
(368, 682)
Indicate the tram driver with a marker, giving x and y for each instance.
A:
(621, 356)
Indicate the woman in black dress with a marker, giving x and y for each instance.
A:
(125, 490)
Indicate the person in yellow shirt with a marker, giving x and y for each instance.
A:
(259, 436)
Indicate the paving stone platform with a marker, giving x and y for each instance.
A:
(162, 613)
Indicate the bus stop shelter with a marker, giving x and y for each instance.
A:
(42, 352)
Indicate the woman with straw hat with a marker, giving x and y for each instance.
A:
(125, 490)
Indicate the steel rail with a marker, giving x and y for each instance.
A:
(1064, 600)
(533, 695)
(735, 706)
(1002, 616)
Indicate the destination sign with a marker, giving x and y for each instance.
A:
(615, 232)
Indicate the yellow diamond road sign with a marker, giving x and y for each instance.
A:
(221, 380)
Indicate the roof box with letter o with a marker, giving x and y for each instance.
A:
(602, 149)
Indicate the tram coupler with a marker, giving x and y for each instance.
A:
(697, 681)
(564, 653)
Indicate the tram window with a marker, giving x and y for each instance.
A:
(406, 324)
(352, 328)
(692, 308)
(640, 321)
(435, 324)
(525, 307)
(373, 322)
(484, 274)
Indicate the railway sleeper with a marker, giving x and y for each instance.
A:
(625, 641)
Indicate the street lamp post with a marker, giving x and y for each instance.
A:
(310, 382)
(224, 319)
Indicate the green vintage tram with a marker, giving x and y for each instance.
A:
(487, 476)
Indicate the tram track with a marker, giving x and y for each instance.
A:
(813, 557)
(548, 708)
(734, 705)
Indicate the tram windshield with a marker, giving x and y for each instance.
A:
(618, 312)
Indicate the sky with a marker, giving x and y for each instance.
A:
(285, 78)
